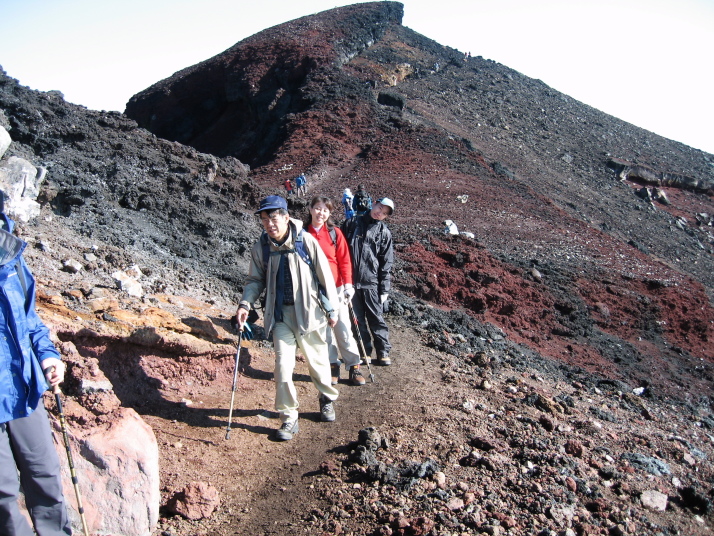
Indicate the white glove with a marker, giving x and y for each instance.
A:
(349, 292)
(54, 370)
(383, 298)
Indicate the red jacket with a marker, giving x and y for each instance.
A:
(338, 256)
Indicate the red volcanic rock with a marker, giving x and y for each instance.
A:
(240, 102)
(196, 501)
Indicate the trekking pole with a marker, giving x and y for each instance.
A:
(63, 425)
(363, 353)
(235, 383)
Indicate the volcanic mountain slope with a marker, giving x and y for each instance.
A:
(351, 96)
(516, 353)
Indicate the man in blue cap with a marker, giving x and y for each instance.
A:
(294, 313)
(372, 252)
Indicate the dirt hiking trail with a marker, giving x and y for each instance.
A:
(266, 486)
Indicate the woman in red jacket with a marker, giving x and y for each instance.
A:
(320, 225)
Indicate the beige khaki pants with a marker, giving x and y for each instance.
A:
(287, 339)
(340, 339)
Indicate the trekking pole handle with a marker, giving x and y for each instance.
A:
(55, 388)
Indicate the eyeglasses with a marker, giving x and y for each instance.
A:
(275, 218)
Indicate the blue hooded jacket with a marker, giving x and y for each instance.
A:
(24, 340)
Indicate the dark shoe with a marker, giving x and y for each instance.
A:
(356, 376)
(335, 370)
(287, 431)
(327, 409)
(384, 360)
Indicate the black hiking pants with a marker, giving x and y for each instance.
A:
(372, 327)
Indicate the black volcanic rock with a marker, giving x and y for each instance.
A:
(118, 184)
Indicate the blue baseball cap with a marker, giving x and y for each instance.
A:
(272, 202)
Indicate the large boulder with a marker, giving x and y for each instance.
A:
(117, 468)
(20, 182)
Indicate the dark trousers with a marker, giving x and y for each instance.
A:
(372, 326)
(26, 446)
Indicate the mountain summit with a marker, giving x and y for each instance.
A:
(244, 101)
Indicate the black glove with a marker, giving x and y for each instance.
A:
(247, 332)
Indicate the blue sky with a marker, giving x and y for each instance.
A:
(646, 62)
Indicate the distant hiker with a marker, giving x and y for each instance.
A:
(288, 186)
(294, 312)
(301, 183)
(347, 198)
(29, 362)
(319, 224)
(362, 202)
(372, 252)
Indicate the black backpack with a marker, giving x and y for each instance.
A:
(362, 202)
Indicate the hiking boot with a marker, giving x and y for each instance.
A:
(384, 360)
(287, 431)
(356, 376)
(327, 409)
(335, 370)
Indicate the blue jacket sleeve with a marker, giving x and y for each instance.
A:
(42, 345)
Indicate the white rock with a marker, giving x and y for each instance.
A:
(135, 272)
(5, 140)
(128, 284)
(654, 500)
(93, 386)
(18, 179)
(72, 266)
(450, 227)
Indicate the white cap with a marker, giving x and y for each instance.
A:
(387, 203)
